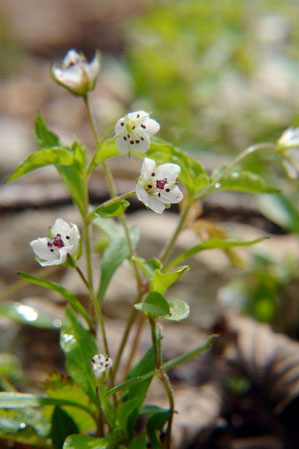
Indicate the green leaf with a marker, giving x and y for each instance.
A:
(154, 304)
(161, 281)
(14, 400)
(105, 150)
(21, 313)
(211, 244)
(61, 387)
(62, 426)
(79, 347)
(66, 294)
(10, 369)
(84, 442)
(191, 354)
(124, 411)
(281, 210)
(138, 443)
(74, 175)
(192, 175)
(149, 266)
(111, 210)
(245, 181)
(179, 310)
(54, 156)
(155, 424)
(43, 137)
(114, 255)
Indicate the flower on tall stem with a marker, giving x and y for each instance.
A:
(134, 131)
(76, 74)
(156, 186)
(288, 145)
(101, 364)
(63, 240)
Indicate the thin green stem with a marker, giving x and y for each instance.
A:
(97, 308)
(87, 251)
(134, 345)
(126, 333)
(168, 249)
(164, 379)
(244, 154)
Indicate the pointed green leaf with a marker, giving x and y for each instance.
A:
(148, 266)
(161, 281)
(74, 175)
(179, 310)
(282, 210)
(63, 425)
(79, 347)
(245, 181)
(211, 244)
(154, 304)
(124, 411)
(84, 442)
(66, 294)
(105, 150)
(43, 136)
(155, 425)
(116, 252)
(111, 210)
(54, 156)
(192, 175)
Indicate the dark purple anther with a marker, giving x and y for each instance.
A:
(58, 242)
(160, 183)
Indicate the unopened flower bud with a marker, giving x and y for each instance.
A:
(101, 364)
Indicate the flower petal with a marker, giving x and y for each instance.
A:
(72, 77)
(168, 171)
(118, 127)
(93, 68)
(148, 167)
(150, 201)
(174, 196)
(122, 145)
(139, 116)
(152, 126)
(72, 57)
(42, 251)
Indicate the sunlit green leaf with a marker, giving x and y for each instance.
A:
(105, 150)
(10, 369)
(192, 175)
(59, 386)
(54, 156)
(161, 281)
(125, 410)
(84, 442)
(138, 443)
(79, 346)
(178, 310)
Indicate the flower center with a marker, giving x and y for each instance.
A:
(55, 242)
(160, 183)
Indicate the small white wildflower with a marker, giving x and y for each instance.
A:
(157, 187)
(76, 74)
(289, 146)
(135, 130)
(64, 239)
(101, 364)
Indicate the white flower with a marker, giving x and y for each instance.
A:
(134, 131)
(289, 147)
(76, 74)
(157, 187)
(100, 364)
(289, 138)
(64, 239)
